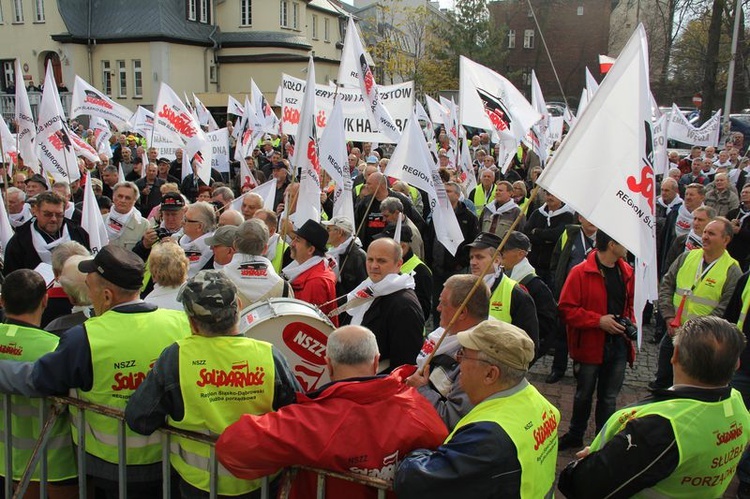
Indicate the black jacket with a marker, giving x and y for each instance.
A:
(438, 257)
(20, 253)
(375, 220)
(147, 202)
(423, 285)
(543, 237)
(546, 311)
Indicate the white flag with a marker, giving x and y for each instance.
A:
(413, 163)
(704, 136)
(429, 129)
(468, 177)
(6, 231)
(540, 141)
(204, 115)
(333, 159)
(270, 123)
(349, 66)
(90, 101)
(83, 149)
(661, 155)
(397, 231)
(618, 121)
(52, 135)
(143, 123)
(234, 107)
(452, 130)
(267, 191)
(102, 134)
(9, 144)
(91, 218)
(582, 103)
(437, 111)
(249, 134)
(306, 155)
(26, 127)
(591, 85)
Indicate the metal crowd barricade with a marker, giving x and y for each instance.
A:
(48, 416)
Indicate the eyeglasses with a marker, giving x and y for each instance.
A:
(461, 356)
(188, 221)
(53, 214)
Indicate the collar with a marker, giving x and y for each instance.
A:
(16, 322)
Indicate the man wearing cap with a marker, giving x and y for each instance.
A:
(180, 390)
(311, 278)
(362, 424)
(221, 243)
(251, 272)
(35, 184)
(104, 359)
(124, 223)
(34, 241)
(682, 442)
(509, 302)
(498, 215)
(163, 165)
(149, 187)
(346, 257)
(517, 267)
(507, 445)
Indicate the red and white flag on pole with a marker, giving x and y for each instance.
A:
(52, 134)
(270, 123)
(619, 122)
(143, 122)
(83, 148)
(102, 134)
(333, 159)
(204, 115)
(540, 140)
(306, 155)
(605, 63)
(234, 107)
(90, 101)
(9, 144)
(25, 125)
(6, 230)
(91, 218)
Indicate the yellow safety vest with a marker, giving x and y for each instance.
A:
(703, 292)
(745, 305)
(479, 198)
(500, 299)
(124, 347)
(279, 256)
(27, 344)
(711, 437)
(411, 264)
(221, 378)
(531, 422)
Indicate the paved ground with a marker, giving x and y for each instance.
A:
(634, 388)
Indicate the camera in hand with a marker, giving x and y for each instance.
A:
(162, 232)
(630, 330)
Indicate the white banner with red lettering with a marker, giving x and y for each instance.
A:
(398, 100)
(90, 101)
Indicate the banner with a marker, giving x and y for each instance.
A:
(306, 158)
(333, 159)
(680, 129)
(661, 155)
(219, 141)
(204, 115)
(102, 134)
(25, 125)
(398, 100)
(91, 218)
(90, 101)
(540, 139)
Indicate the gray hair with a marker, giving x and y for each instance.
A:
(670, 181)
(252, 237)
(22, 195)
(392, 204)
(73, 281)
(110, 169)
(205, 214)
(64, 251)
(128, 185)
(352, 346)
(225, 193)
(62, 185)
(508, 375)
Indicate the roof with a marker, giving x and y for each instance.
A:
(264, 39)
(324, 5)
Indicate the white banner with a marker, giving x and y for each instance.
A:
(219, 141)
(25, 126)
(661, 156)
(102, 134)
(555, 129)
(540, 139)
(680, 129)
(91, 219)
(333, 159)
(306, 158)
(398, 100)
(90, 101)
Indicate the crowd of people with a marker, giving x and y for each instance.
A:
(150, 324)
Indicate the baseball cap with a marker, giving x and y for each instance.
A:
(172, 201)
(407, 235)
(517, 240)
(340, 222)
(501, 341)
(117, 265)
(485, 240)
(209, 296)
(163, 160)
(223, 236)
(372, 160)
(132, 137)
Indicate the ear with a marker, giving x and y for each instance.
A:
(329, 367)
(375, 364)
(673, 360)
(45, 300)
(492, 375)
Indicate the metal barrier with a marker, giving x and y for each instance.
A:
(48, 416)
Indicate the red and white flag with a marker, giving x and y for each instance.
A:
(605, 63)
(468, 177)
(6, 230)
(306, 155)
(25, 125)
(91, 218)
(83, 148)
(234, 107)
(143, 122)
(333, 159)
(102, 134)
(91, 102)
(270, 123)
(452, 129)
(52, 135)
(247, 179)
(204, 115)
(619, 122)
(540, 141)
(9, 144)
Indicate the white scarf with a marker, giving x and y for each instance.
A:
(669, 207)
(197, 251)
(449, 346)
(742, 214)
(521, 270)
(544, 210)
(254, 276)
(684, 221)
(499, 210)
(70, 210)
(20, 218)
(333, 254)
(42, 247)
(294, 269)
(693, 241)
(359, 300)
(489, 277)
(117, 221)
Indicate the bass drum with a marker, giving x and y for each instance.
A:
(298, 330)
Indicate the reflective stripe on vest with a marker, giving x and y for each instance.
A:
(221, 378)
(706, 294)
(480, 200)
(411, 264)
(123, 349)
(710, 436)
(27, 344)
(531, 422)
(500, 299)
(745, 305)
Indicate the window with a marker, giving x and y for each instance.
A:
(2, 17)
(9, 74)
(246, 12)
(204, 11)
(528, 39)
(295, 15)
(122, 79)
(327, 29)
(526, 76)
(17, 11)
(314, 27)
(580, 10)
(137, 78)
(284, 14)
(106, 78)
(191, 10)
(511, 39)
(213, 74)
(39, 11)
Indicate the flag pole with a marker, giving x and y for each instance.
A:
(5, 180)
(546, 49)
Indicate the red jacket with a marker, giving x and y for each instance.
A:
(364, 426)
(583, 301)
(317, 286)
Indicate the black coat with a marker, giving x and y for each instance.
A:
(20, 253)
(153, 198)
(438, 257)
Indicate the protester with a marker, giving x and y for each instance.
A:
(169, 270)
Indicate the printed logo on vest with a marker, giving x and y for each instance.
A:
(129, 381)
(12, 349)
(734, 432)
(239, 376)
(545, 430)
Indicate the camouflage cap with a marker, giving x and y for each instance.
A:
(209, 296)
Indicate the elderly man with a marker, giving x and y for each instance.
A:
(439, 382)
(223, 195)
(506, 446)
(19, 211)
(35, 184)
(200, 223)
(699, 282)
(33, 242)
(484, 192)
(230, 217)
(251, 203)
(98, 358)
(693, 239)
(251, 272)
(499, 214)
(216, 346)
(544, 228)
(71, 212)
(392, 210)
(149, 187)
(668, 201)
(163, 165)
(722, 197)
(73, 283)
(221, 243)
(679, 220)
(397, 419)
(311, 278)
(172, 212)
(387, 304)
(110, 178)
(346, 257)
(681, 442)
(739, 247)
(124, 223)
